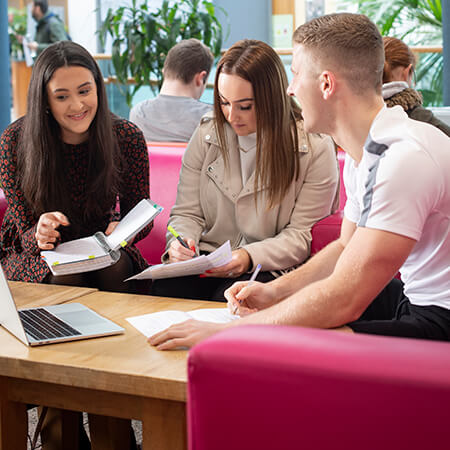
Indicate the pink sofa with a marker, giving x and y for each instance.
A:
(274, 387)
(328, 229)
(3, 205)
(165, 163)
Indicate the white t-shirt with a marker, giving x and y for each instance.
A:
(402, 185)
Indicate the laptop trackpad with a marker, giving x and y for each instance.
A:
(80, 319)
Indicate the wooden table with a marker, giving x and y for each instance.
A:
(119, 376)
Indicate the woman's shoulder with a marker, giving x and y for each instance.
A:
(9, 139)
(312, 143)
(14, 129)
(126, 130)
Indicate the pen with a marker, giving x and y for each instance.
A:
(252, 279)
(179, 238)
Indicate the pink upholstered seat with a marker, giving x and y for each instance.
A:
(3, 205)
(328, 229)
(273, 387)
(165, 164)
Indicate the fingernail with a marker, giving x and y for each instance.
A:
(193, 249)
(202, 275)
(208, 271)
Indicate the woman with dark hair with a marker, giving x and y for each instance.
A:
(398, 74)
(65, 166)
(250, 175)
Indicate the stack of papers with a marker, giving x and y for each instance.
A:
(194, 266)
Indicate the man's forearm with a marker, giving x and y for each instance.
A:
(320, 266)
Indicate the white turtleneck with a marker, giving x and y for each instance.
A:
(247, 153)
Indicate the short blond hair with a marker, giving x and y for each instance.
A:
(348, 43)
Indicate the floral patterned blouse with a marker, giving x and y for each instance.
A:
(19, 252)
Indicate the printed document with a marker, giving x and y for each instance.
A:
(150, 324)
(193, 266)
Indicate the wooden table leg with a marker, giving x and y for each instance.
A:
(109, 433)
(164, 425)
(60, 430)
(13, 423)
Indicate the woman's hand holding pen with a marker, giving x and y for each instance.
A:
(46, 229)
(178, 252)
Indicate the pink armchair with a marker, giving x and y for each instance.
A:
(274, 387)
(165, 164)
(3, 205)
(329, 229)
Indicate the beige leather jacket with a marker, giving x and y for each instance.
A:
(213, 206)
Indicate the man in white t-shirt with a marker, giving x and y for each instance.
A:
(175, 113)
(397, 216)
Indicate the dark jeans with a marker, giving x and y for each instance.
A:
(392, 314)
(196, 288)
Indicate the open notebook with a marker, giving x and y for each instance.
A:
(51, 324)
(99, 251)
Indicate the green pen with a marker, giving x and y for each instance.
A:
(179, 238)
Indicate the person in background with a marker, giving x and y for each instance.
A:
(398, 81)
(397, 214)
(49, 29)
(250, 175)
(175, 113)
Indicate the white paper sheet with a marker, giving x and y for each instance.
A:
(72, 251)
(193, 266)
(136, 219)
(150, 324)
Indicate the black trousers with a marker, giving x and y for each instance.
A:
(196, 288)
(392, 314)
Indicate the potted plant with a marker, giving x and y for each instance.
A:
(20, 72)
(17, 26)
(141, 39)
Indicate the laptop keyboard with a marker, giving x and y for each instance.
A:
(40, 324)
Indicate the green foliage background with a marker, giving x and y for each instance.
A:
(417, 23)
(141, 39)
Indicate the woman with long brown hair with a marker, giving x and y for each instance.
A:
(250, 175)
(65, 166)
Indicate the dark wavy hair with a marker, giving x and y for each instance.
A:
(41, 166)
(277, 163)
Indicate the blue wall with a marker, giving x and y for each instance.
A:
(250, 19)
(5, 75)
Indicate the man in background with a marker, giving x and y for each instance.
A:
(175, 113)
(49, 29)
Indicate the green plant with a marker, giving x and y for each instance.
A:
(417, 22)
(17, 26)
(141, 39)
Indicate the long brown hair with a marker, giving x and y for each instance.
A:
(396, 54)
(277, 163)
(41, 166)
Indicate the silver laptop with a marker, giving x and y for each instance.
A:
(51, 324)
